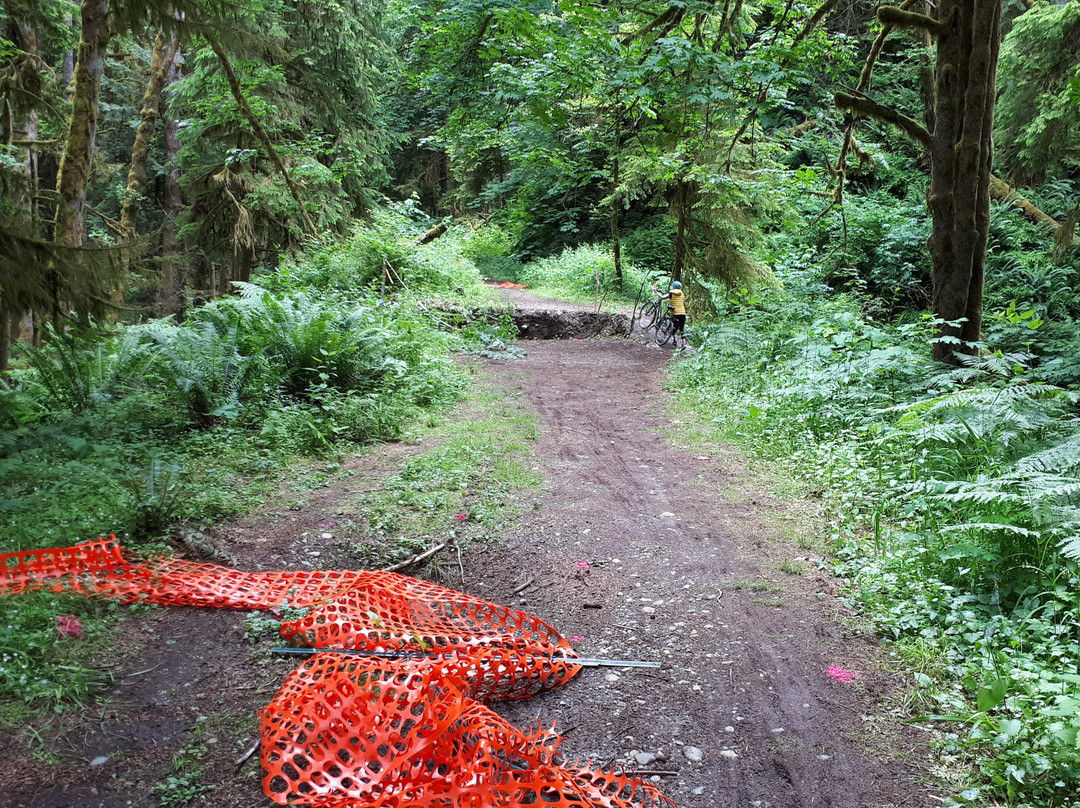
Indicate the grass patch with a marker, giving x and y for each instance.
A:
(752, 586)
(182, 786)
(462, 489)
(774, 603)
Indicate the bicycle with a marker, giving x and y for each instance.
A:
(649, 315)
(665, 327)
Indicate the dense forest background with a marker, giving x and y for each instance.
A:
(247, 209)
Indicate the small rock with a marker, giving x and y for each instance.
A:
(693, 754)
(822, 757)
(611, 678)
(328, 535)
(697, 792)
(101, 760)
(729, 729)
(778, 730)
(645, 758)
(730, 754)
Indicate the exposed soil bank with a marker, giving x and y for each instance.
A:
(542, 324)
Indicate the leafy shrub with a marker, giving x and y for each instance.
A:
(951, 500)
(201, 366)
(488, 248)
(651, 246)
(881, 250)
(582, 273)
(384, 253)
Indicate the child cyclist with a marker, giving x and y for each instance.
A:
(678, 310)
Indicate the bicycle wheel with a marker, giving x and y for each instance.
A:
(664, 329)
(647, 316)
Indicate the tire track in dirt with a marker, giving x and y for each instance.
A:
(682, 555)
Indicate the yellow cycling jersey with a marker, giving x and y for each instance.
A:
(678, 301)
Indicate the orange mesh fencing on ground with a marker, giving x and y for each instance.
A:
(351, 731)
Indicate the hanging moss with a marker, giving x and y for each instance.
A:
(40, 276)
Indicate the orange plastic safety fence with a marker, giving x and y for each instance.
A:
(372, 610)
(393, 611)
(351, 731)
(365, 732)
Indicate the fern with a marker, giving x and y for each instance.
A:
(311, 343)
(990, 527)
(1062, 457)
(1070, 547)
(203, 367)
(75, 371)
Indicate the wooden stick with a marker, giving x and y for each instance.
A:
(415, 559)
(240, 761)
(524, 586)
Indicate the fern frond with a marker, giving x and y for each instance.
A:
(983, 496)
(1045, 492)
(249, 291)
(1064, 456)
(990, 527)
(1070, 546)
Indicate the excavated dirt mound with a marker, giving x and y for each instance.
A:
(638, 547)
(545, 324)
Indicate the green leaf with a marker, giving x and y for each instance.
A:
(1009, 729)
(992, 694)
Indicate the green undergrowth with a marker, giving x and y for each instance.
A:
(183, 784)
(585, 274)
(951, 498)
(49, 646)
(151, 430)
(462, 489)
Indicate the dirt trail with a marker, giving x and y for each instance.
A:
(682, 555)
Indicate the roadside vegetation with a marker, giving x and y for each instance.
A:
(153, 430)
(950, 493)
(229, 262)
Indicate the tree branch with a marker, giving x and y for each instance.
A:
(1003, 192)
(261, 133)
(819, 15)
(891, 15)
(872, 109)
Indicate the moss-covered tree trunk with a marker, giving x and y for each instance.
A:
(82, 132)
(160, 65)
(173, 275)
(20, 130)
(961, 150)
(959, 139)
(616, 246)
(685, 199)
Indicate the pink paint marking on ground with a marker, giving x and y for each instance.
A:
(840, 674)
